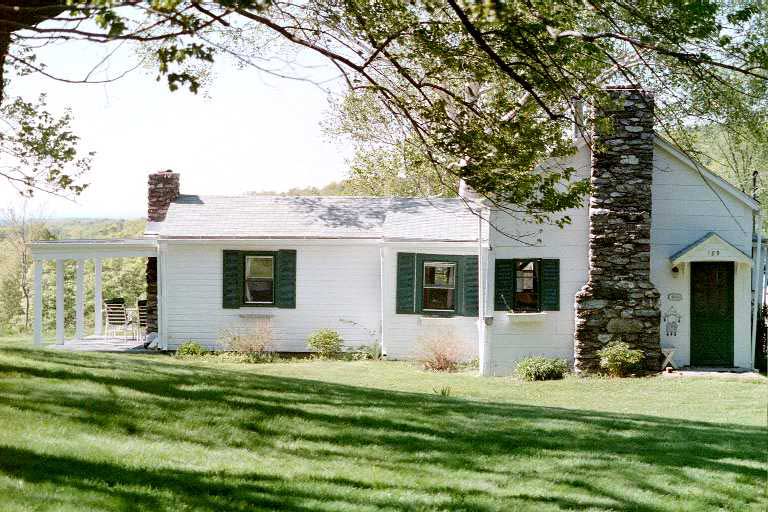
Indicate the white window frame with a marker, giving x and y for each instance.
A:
(271, 258)
(424, 285)
(536, 282)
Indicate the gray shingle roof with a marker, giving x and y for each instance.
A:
(192, 216)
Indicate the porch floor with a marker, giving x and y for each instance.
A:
(101, 344)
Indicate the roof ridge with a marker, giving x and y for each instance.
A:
(280, 196)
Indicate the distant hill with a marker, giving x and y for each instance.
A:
(96, 228)
(335, 188)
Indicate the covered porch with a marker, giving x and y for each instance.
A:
(81, 251)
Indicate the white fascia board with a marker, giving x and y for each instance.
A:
(87, 249)
(248, 242)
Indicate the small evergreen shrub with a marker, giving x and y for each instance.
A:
(326, 343)
(618, 359)
(541, 368)
(190, 349)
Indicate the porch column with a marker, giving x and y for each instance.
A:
(60, 301)
(79, 300)
(38, 290)
(97, 300)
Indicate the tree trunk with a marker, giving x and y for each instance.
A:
(15, 16)
(5, 44)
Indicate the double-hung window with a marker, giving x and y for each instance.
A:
(527, 286)
(439, 286)
(259, 280)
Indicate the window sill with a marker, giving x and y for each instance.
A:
(527, 317)
(255, 315)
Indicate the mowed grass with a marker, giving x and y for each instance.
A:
(133, 433)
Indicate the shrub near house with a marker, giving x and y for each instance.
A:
(326, 343)
(541, 368)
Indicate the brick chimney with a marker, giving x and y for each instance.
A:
(162, 190)
(619, 302)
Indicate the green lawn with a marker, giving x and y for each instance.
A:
(130, 433)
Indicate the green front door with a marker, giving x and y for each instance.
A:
(712, 314)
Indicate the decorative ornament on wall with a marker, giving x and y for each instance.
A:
(671, 321)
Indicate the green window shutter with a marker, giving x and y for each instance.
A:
(285, 295)
(470, 288)
(406, 283)
(504, 288)
(550, 285)
(233, 276)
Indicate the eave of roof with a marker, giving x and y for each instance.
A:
(685, 250)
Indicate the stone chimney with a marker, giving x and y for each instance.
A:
(619, 302)
(162, 190)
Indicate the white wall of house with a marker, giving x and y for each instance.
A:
(403, 333)
(350, 285)
(685, 209)
(512, 337)
(337, 287)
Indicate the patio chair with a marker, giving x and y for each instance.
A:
(116, 318)
(141, 325)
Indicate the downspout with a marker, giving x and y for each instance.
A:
(481, 264)
(757, 282)
(484, 258)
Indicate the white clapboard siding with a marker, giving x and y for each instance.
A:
(337, 287)
(552, 334)
(686, 209)
(403, 334)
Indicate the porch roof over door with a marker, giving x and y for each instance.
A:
(710, 247)
(86, 249)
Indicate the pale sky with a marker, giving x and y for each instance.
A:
(252, 132)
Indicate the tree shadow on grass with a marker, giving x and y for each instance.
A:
(461, 454)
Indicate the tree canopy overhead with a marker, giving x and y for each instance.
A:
(480, 90)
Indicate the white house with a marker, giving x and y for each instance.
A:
(664, 253)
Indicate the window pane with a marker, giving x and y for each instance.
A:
(258, 266)
(439, 298)
(527, 286)
(259, 290)
(440, 275)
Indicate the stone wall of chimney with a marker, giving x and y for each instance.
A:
(619, 302)
(162, 190)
